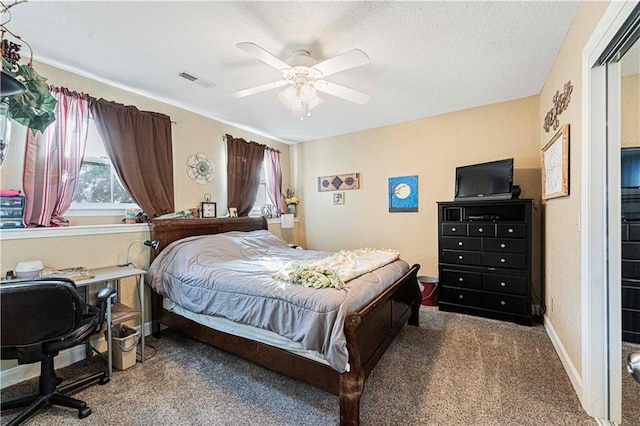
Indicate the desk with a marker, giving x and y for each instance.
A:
(120, 312)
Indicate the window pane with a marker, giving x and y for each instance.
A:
(98, 182)
(94, 183)
(119, 194)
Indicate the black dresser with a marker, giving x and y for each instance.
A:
(631, 282)
(485, 258)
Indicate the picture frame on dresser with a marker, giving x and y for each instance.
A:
(555, 165)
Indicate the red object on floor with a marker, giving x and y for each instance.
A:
(430, 290)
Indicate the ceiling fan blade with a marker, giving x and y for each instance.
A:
(341, 92)
(351, 59)
(258, 89)
(263, 55)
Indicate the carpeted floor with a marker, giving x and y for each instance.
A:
(452, 370)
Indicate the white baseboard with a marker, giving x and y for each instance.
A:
(572, 372)
(20, 373)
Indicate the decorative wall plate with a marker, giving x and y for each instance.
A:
(199, 168)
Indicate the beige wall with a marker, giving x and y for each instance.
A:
(630, 110)
(431, 148)
(561, 220)
(192, 133)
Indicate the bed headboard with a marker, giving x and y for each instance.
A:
(167, 231)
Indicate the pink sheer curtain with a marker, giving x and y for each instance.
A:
(273, 178)
(53, 159)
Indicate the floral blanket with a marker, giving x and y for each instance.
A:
(337, 269)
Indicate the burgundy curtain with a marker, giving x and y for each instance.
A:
(273, 179)
(53, 159)
(140, 147)
(244, 166)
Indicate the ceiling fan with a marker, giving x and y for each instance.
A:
(305, 78)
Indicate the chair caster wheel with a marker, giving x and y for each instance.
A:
(104, 380)
(84, 412)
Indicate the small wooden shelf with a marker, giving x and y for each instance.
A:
(121, 313)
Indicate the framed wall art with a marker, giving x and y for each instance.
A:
(403, 194)
(339, 182)
(338, 198)
(555, 165)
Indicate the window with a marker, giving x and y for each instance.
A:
(98, 184)
(262, 197)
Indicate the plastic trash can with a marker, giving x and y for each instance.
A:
(124, 341)
(429, 288)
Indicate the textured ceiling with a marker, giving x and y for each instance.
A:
(426, 58)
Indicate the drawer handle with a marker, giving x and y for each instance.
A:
(503, 245)
(460, 279)
(453, 229)
(503, 260)
(459, 243)
(502, 284)
(461, 297)
(502, 302)
(511, 230)
(480, 230)
(460, 257)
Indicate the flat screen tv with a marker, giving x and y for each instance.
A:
(485, 181)
(630, 172)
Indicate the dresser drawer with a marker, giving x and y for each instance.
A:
(504, 245)
(504, 303)
(454, 229)
(461, 257)
(504, 284)
(453, 278)
(514, 230)
(482, 230)
(504, 260)
(630, 298)
(631, 251)
(624, 236)
(631, 269)
(12, 201)
(634, 232)
(461, 296)
(11, 212)
(461, 243)
(631, 320)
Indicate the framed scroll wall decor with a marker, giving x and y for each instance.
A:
(555, 165)
(339, 182)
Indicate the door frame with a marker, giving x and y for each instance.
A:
(600, 242)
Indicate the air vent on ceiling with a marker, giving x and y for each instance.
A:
(197, 80)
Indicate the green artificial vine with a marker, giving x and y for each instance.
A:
(34, 107)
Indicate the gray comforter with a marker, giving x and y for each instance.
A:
(232, 275)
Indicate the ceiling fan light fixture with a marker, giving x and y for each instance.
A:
(300, 98)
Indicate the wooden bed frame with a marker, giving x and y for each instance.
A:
(369, 331)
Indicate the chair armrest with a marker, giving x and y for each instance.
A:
(103, 298)
(104, 294)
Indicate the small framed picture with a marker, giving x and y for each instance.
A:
(233, 212)
(208, 209)
(338, 198)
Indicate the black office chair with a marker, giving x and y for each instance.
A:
(40, 317)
